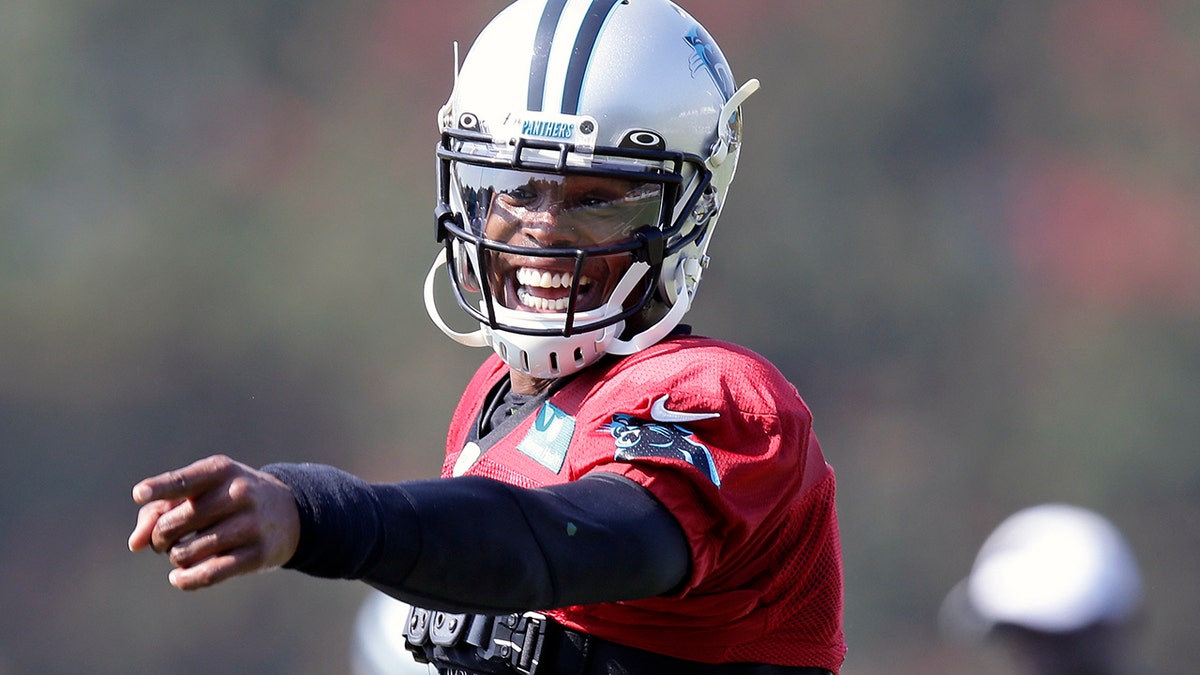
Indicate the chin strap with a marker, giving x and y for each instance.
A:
(648, 337)
(476, 338)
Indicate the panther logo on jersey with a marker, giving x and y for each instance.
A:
(639, 438)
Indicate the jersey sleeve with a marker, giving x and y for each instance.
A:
(720, 437)
(725, 443)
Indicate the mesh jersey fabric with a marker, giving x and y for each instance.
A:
(766, 578)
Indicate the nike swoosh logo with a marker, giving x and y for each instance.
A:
(659, 412)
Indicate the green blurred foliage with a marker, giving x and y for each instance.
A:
(966, 231)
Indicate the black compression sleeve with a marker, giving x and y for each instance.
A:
(476, 544)
(343, 523)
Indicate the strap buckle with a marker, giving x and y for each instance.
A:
(446, 629)
(517, 639)
(416, 633)
(513, 639)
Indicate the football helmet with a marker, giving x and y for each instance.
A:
(1053, 568)
(586, 151)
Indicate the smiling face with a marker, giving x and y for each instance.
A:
(541, 212)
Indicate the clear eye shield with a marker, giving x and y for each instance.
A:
(566, 211)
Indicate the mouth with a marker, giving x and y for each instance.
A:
(545, 291)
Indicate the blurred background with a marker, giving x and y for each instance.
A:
(969, 232)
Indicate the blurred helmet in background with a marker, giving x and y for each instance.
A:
(1052, 568)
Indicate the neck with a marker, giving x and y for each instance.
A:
(527, 384)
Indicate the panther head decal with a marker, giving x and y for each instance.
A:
(637, 438)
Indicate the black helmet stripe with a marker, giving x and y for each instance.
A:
(585, 42)
(581, 53)
(541, 52)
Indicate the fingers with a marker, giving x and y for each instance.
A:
(231, 534)
(213, 570)
(191, 480)
(148, 517)
(216, 518)
(190, 516)
(235, 546)
(177, 503)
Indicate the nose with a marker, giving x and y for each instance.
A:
(542, 224)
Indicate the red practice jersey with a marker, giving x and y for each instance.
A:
(717, 435)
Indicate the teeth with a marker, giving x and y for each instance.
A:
(528, 276)
(541, 304)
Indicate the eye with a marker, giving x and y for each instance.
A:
(599, 199)
(594, 201)
(519, 196)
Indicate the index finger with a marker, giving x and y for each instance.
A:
(184, 483)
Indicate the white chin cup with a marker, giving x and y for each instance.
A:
(551, 356)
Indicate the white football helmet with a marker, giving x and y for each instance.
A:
(559, 91)
(1052, 568)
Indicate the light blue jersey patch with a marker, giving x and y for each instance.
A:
(549, 437)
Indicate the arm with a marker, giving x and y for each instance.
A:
(475, 544)
(458, 544)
